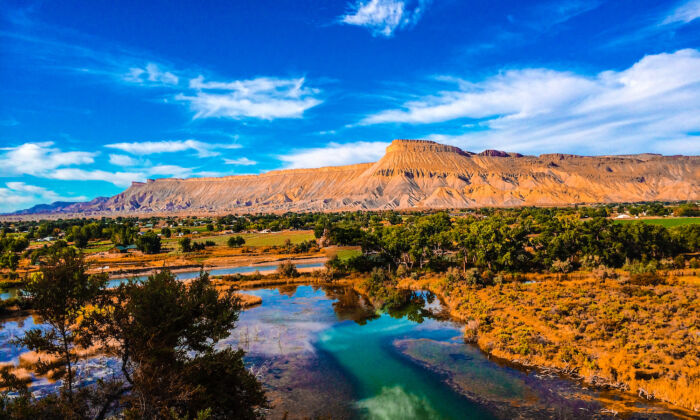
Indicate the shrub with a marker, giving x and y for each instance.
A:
(559, 266)
(646, 279)
(590, 262)
(287, 269)
(639, 267)
(472, 277)
(471, 331)
(602, 273)
(679, 261)
(694, 263)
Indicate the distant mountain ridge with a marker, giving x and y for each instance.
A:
(61, 207)
(415, 174)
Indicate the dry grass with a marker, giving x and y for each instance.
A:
(644, 339)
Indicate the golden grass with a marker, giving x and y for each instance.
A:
(644, 339)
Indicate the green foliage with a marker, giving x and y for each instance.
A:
(165, 332)
(687, 210)
(185, 244)
(59, 293)
(235, 241)
(149, 243)
(9, 260)
(13, 243)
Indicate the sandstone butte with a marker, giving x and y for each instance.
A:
(417, 174)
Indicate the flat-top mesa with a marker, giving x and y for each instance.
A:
(419, 174)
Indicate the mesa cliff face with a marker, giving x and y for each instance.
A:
(422, 174)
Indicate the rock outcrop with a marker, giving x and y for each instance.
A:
(420, 174)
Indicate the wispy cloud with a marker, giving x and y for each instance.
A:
(17, 194)
(244, 161)
(384, 17)
(544, 16)
(657, 23)
(266, 98)
(169, 146)
(122, 160)
(685, 13)
(151, 74)
(263, 98)
(653, 105)
(334, 154)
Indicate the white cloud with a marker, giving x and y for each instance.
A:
(122, 160)
(39, 158)
(151, 74)
(124, 179)
(120, 179)
(16, 195)
(44, 161)
(384, 17)
(169, 146)
(335, 154)
(651, 106)
(685, 13)
(240, 161)
(263, 98)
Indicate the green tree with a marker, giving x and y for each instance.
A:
(149, 243)
(235, 241)
(186, 245)
(60, 293)
(165, 333)
(9, 260)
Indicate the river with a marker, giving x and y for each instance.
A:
(325, 352)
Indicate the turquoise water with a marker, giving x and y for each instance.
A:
(325, 352)
(389, 387)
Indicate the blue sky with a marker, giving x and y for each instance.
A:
(98, 94)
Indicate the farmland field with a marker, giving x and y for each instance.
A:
(260, 239)
(668, 222)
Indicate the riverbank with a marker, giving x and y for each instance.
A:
(609, 334)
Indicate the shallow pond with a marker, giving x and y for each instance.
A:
(325, 352)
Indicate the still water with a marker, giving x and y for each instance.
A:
(12, 292)
(187, 275)
(325, 352)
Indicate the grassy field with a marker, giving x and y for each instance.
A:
(668, 222)
(259, 239)
(346, 254)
